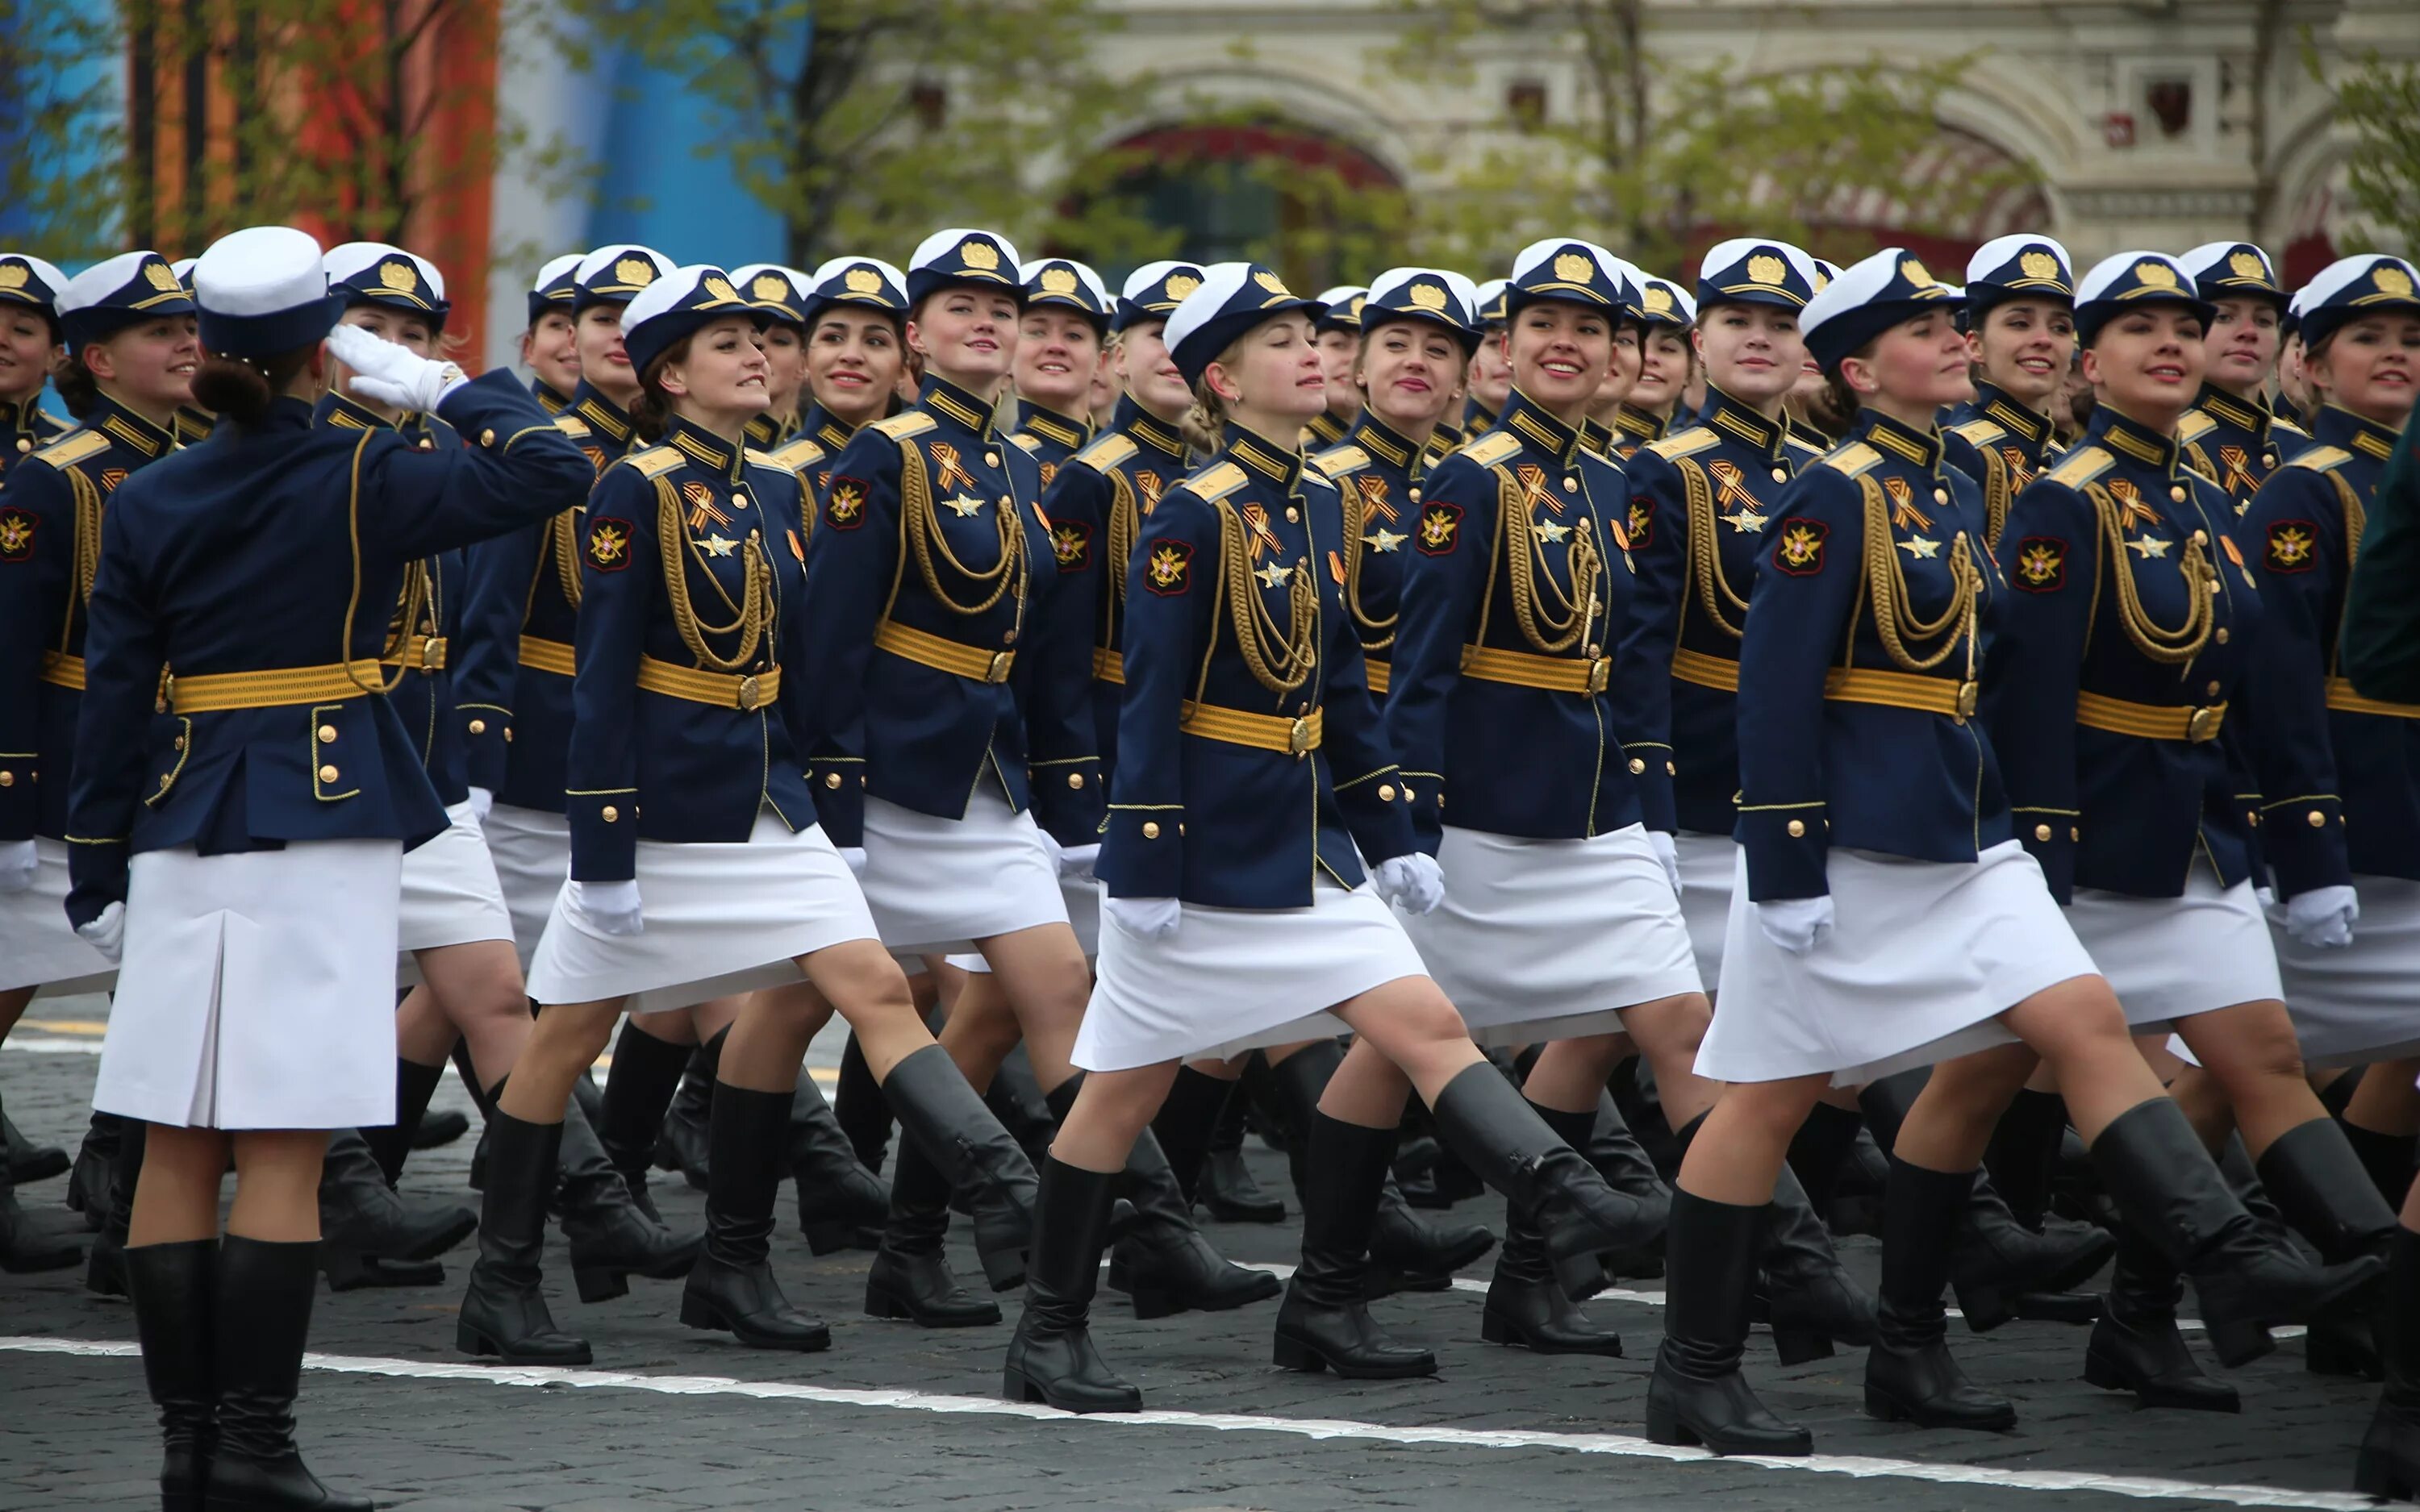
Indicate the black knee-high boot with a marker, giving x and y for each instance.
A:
(1621, 1157)
(982, 1164)
(2164, 1180)
(504, 1312)
(611, 1236)
(684, 1138)
(645, 1076)
(25, 1246)
(1910, 1373)
(2317, 1179)
(732, 1287)
(1819, 1150)
(1187, 1122)
(88, 1178)
(1807, 1296)
(910, 1275)
(2389, 1462)
(392, 1144)
(1485, 1120)
(1052, 1359)
(174, 1288)
(2135, 1346)
(261, 1319)
(1698, 1394)
(104, 1269)
(1227, 1188)
(1526, 1304)
(373, 1235)
(27, 1161)
(2387, 1158)
(841, 1203)
(2023, 1155)
(477, 1178)
(857, 1103)
(1324, 1322)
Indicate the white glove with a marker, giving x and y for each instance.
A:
(1051, 848)
(2323, 917)
(1076, 862)
(1796, 924)
(17, 864)
(1150, 918)
(1667, 851)
(608, 907)
(391, 375)
(855, 856)
(481, 799)
(1412, 882)
(106, 934)
(2265, 897)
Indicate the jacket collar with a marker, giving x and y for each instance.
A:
(2335, 426)
(826, 427)
(2227, 409)
(128, 429)
(603, 416)
(1325, 429)
(2139, 443)
(770, 429)
(1524, 417)
(346, 413)
(1639, 424)
(552, 399)
(959, 406)
(1739, 422)
(1387, 444)
(1994, 403)
(1262, 460)
(1052, 426)
(1147, 428)
(1477, 419)
(1888, 436)
(703, 447)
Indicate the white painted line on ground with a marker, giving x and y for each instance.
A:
(1860, 1467)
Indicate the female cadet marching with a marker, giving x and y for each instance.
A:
(127, 326)
(2230, 435)
(1514, 592)
(550, 342)
(2348, 886)
(1339, 332)
(244, 850)
(698, 867)
(1236, 907)
(1883, 918)
(2127, 633)
(2021, 333)
(1665, 313)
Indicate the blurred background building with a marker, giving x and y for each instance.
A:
(1331, 138)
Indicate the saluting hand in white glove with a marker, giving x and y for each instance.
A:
(390, 374)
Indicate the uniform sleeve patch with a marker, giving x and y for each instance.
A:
(608, 544)
(1169, 570)
(2040, 564)
(2293, 546)
(16, 535)
(845, 503)
(1641, 524)
(1071, 542)
(1440, 530)
(1799, 549)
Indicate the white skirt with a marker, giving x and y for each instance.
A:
(450, 893)
(258, 989)
(1923, 958)
(38, 948)
(1706, 863)
(1083, 901)
(935, 886)
(2361, 1003)
(719, 919)
(1550, 939)
(531, 851)
(1231, 980)
(2171, 958)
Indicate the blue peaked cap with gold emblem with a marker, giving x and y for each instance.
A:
(1750, 270)
(2351, 287)
(679, 305)
(1868, 298)
(2130, 279)
(1344, 312)
(1663, 303)
(125, 291)
(556, 284)
(1426, 295)
(25, 279)
(774, 290)
(2233, 270)
(964, 257)
(263, 291)
(374, 272)
(868, 282)
(1154, 291)
(1064, 283)
(616, 275)
(2020, 266)
(1232, 299)
(1570, 271)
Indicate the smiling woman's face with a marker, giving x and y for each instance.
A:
(1561, 354)
(1753, 352)
(967, 335)
(2148, 363)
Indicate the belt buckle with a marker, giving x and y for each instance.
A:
(997, 670)
(1600, 672)
(428, 645)
(748, 694)
(2201, 726)
(1299, 737)
(1970, 693)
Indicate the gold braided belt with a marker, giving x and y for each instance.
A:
(746, 692)
(2149, 722)
(546, 655)
(276, 688)
(1554, 674)
(1108, 666)
(1954, 697)
(1261, 732)
(942, 653)
(60, 669)
(1718, 673)
(1379, 672)
(2342, 697)
(426, 653)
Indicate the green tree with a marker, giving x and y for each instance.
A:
(55, 124)
(869, 123)
(2378, 101)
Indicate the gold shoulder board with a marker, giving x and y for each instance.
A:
(573, 425)
(1105, 452)
(1216, 481)
(2322, 458)
(2195, 425)
(2082, 465)
(763, 459)
(904, 424)
(799, 452)
(1337, 461)
(1981, 432)
(1687, 443)
(1030, 445)
(1852, 460)
(1793, 438)
(73, 447)
(1492, 448)
(654, 462)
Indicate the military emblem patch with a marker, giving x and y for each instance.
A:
(16, 535)
(2040, 564)
(1071, 542)
(608, 544)
(2293, 546)
(844, 505)
(1800, 550)
(1641, 524)
(1440, 530)
(1169, 570)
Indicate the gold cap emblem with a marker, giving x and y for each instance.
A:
(1659, 298)
(1822, 279)
(1181, 284)
(636, 272)
(718, 287)
(2038, 264)
(1764, 267)
(2153, 274)
(2391, 280)
(862, 281)
(1353, 306)
(2246, 263)
(1427, 297)
(1270, 281)
(978, 254)
(1058, 280)
(1916, 273)
(398, 276)
(162, 277)
(14, 274)
(1573, 266)
(770, 286)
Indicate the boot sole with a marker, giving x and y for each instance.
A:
(1883, 1407)
(1987, 1307)
(698, 1313)
(1664, 1427)
(478, 1344)
(1016, 1386)
(2239, 1341)
(352, 1271)
(826, 1236)
(884, 1304)
(1293, 1354)
(1797, 1345)
(2390, 1482)
(1495, 1329)
(35, 1264)
(2109, 1376)
(1154, 1302)
(41, 1167)
(1227, 1212)
(1003, 1272)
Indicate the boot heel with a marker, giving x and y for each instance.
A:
(1015, 1388)
(829, 1234)
(347, 1270)
(696, 1312)
(1006, 1273)
(1986, 1308)
(2328, 1351)
(2102, 1373)
(474, 1342)
(1797, 1345)
(881, 1304)
(1664, 1426)
(1293, 1354)
(2239, 1343)
(1493, 1329)
(2385, 1480)
(597, 1284)
(1882, 1408)
(1149, 1304)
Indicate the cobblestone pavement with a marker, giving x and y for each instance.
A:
(896, 1417)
